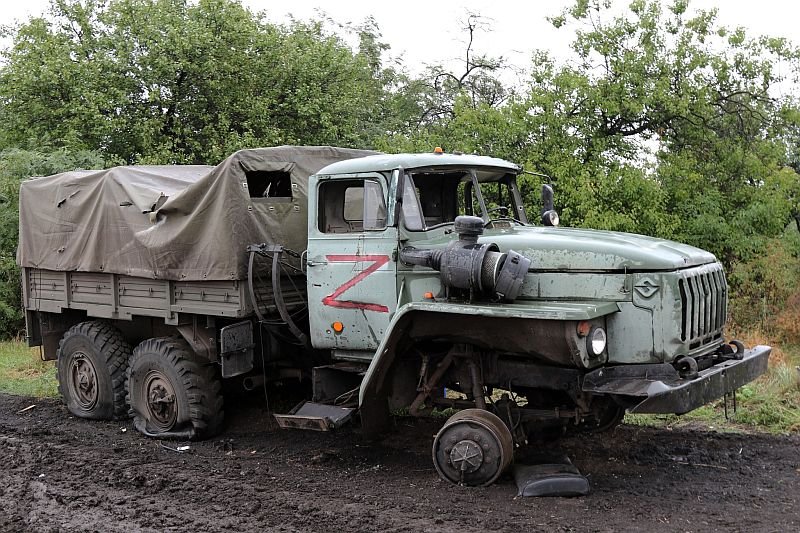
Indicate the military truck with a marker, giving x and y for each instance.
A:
(391, 283)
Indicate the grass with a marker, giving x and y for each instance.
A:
(23, 372)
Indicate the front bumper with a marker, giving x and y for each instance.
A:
(658, 388)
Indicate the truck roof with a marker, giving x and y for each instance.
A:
(385, 162)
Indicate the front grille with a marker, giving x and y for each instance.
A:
(704, 304)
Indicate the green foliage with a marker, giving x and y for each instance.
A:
(176, 82)
(695, 100)
(766, 289)
(662, 123)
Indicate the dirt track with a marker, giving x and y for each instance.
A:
(58, 473)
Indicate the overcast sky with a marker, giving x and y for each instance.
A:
(430, 31)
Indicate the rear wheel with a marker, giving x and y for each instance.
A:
(92, 360)
(473, 448)
(172, 392)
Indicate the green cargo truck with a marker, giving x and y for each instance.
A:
(407, 282)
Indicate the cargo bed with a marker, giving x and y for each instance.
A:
(116, 296)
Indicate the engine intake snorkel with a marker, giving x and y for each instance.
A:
(469, 265)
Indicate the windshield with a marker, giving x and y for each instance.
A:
(431, 199)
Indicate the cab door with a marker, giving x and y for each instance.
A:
(351, 263)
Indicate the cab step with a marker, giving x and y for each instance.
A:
(315, 417)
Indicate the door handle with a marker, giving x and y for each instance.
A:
(313, 263)
(304, 261)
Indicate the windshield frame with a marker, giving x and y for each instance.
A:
(473, 182)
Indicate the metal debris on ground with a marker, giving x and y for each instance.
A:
(179, 449)
(550, 477)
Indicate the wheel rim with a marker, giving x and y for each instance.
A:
(473, 448)
(83, 381)
(160, 399)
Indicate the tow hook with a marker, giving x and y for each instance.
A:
(729, 353)
(686, 367)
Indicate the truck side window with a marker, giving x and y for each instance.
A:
(351, 206)
(269, 184)
(374, 206)
(412, 215)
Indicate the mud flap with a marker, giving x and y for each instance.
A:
(550, 478)
(315, 417)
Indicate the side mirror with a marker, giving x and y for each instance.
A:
(549, 215)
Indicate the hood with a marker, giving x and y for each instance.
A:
(584, 249)
(588, 250)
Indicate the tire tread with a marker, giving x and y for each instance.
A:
(109, 341)
(198, 377)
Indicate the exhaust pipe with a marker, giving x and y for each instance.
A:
(252, 382)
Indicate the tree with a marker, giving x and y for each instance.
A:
(698, 97)
(476, 83)
(662, 122)
(175, 82)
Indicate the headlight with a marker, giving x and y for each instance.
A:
(596, 341)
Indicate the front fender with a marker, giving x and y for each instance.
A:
(427, 314)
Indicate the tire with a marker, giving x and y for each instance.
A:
(92, 363)
(172, 392)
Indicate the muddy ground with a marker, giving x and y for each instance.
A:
(59, 473)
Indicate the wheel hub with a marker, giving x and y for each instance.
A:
(466, 456)
(83, 381)
(473, 448)
(160, 400)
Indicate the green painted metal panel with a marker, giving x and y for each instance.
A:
(541, 310)
(583, 250)
(351, 272)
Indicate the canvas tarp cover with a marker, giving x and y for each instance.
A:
(167, 222)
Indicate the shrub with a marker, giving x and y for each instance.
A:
(765, 292)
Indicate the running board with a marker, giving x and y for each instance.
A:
(315, 417)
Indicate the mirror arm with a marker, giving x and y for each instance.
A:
(479, 195)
